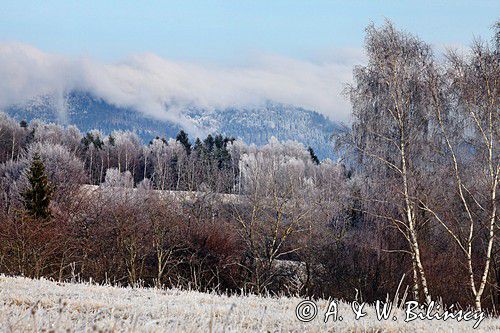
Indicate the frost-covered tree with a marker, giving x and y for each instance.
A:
(72, 138)
(127, 149)
(159, 156)
(390, 132)
(64, 169)
(12, 138)
(466, 104)
(49, 133)
(115, 178)
(278, 190)
(92, 147)
(11, 173)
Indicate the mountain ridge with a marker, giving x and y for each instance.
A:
(251, 124)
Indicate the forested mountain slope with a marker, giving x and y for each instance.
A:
(252, 124)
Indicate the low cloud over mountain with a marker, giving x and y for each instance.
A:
(163, 89)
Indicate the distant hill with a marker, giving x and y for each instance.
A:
(252, 125)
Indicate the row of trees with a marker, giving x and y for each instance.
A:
(173, 164)
(425, 134)
(413, 196)
(129, 231)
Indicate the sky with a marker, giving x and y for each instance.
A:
(251, 48)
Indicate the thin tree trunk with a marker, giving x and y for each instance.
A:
(491, 237)
(410, 216)
(13, 146)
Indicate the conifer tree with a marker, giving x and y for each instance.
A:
(183, 138)
(314, 158)
(198, 146)
(37, 197)
(111, 140)
(209, 143)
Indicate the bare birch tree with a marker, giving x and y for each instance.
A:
(389, 131)
(465, 99)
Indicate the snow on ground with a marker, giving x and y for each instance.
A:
(40, 305)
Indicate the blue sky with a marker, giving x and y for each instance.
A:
(213, 54)
(229, 31)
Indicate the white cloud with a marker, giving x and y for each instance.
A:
(148, 82)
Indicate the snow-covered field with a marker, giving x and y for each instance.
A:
(40, 305)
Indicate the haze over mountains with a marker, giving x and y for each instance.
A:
(268, 95)
(255, 124)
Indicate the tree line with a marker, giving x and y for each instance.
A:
(413, 196)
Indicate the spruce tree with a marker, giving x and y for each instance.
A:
(111, 140)
(198, 146)
(183, 138)
(314, 158)
(37, 196)
(209, 143)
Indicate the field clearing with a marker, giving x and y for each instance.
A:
(40, 305)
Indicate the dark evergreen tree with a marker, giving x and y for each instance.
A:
(30, 137)
(87, 139)
(198, 146)
(221, 153)
(111, 140)
(219, 141)
(90, 139)
(209, 143)
(314, 158)
(183, 138)
(37, 197)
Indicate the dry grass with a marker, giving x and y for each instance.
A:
(41, 305)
